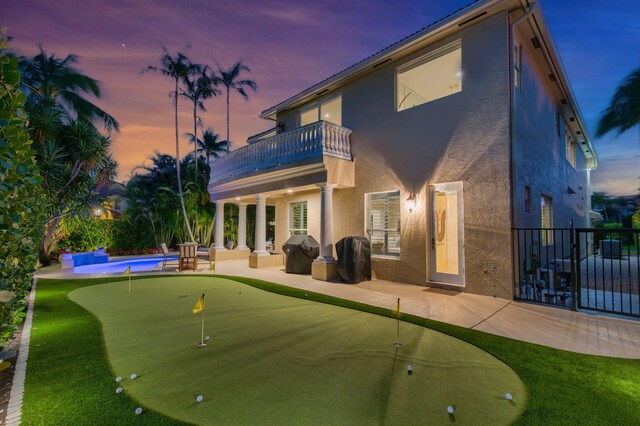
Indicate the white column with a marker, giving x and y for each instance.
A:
(242, 226)
(261, 225)
(218, 237)
(326, 223)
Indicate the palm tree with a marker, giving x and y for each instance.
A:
(209, 144)
(198, 89)
(623, 111)
(230, 80)
(46, 77)
(177, 68)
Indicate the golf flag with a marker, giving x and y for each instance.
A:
(127, 271)
(396, 308)
(199, 306)
(396, 312)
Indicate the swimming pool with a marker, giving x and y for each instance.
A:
(119, 266)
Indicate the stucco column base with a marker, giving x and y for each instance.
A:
(260, 260)
(225, 254)
(324, 270)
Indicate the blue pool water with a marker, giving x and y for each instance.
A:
(119, 266)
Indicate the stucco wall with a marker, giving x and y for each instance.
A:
(462, 137)
(540, 155)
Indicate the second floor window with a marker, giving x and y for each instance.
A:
(329, 110)
(570, 147)
(433, 76)
(298, 218)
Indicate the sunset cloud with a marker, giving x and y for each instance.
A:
(290, 45)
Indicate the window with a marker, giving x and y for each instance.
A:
(570, 147)
(546, 213)
(517, 65)
(298, 218)
(431, 77)
(383, 223)
(330, 110)
(527, 199)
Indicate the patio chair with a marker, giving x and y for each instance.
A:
(211, 254)
(188, 256)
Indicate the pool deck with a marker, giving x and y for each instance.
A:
(544, 325)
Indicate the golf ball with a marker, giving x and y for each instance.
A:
(508, 396)
(119, 390)
(450, 409)
(138, 411)
(206, 338)
(199, 398)
(118, 379)
(133, 376)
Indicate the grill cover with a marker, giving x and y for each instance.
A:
(354, 259)
(301, 251)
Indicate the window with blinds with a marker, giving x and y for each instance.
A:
(383, 223)
(298, 218)
(546, 211)
(570, 147)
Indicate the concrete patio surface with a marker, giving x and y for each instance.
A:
(554, 327)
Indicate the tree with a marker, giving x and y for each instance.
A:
(177, 68)
(209, 144)
(198, 88)
(21, 214)
(623, 111)
(230, 79)
(47, 77)
(73, 156)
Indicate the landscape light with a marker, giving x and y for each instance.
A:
(410, 369)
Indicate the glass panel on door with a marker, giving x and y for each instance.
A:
(447, 239)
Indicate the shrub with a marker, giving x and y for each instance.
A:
(21, 216)
(118, 235)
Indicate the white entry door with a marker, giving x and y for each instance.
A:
(446, 260)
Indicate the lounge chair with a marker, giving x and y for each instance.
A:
(188, 256)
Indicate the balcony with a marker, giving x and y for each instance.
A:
(304, 145)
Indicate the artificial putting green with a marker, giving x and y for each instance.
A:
(273, 359)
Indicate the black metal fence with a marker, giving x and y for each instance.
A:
(579, 268)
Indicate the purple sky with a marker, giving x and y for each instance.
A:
(291, 45)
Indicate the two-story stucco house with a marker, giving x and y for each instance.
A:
(434, 148)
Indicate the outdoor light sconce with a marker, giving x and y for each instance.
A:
(411, 202)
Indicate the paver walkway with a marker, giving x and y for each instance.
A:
(554, 327)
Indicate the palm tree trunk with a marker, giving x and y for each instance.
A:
(228, 142)
(195, 142)
(184, 211)
(195, 154)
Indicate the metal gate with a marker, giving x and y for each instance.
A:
(594, 269)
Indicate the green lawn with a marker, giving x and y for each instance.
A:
(274, 358)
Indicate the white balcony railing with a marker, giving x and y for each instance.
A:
(313, 140)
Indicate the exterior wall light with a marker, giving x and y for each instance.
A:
(411, 202)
